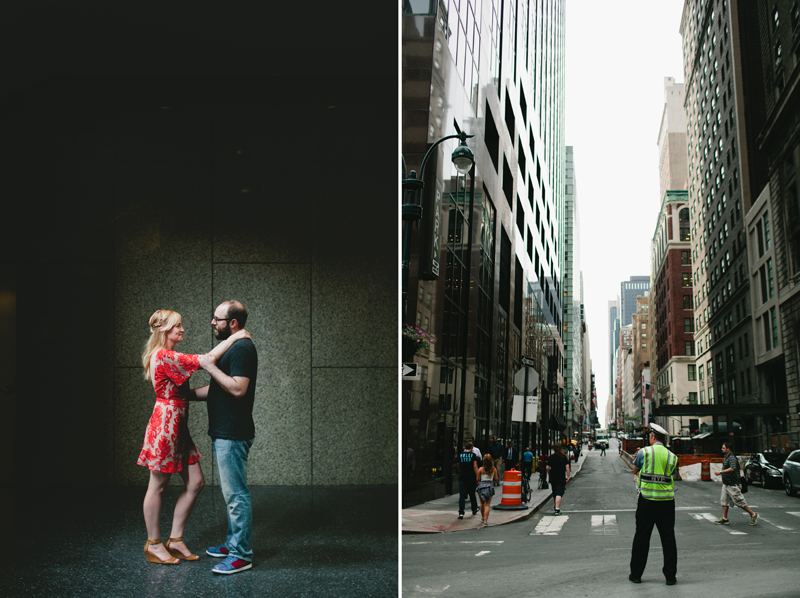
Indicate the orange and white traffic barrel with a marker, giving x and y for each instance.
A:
(705, 471)
(512, 489)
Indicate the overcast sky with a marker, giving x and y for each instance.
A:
(617, 55)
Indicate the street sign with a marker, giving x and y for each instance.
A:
(411, 371)
(533, 379)
(531, 410)
(527, 361)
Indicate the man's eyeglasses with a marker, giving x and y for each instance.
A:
(215, 318)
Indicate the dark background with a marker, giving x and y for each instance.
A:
(74, 77)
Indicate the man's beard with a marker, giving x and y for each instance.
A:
(222, 333)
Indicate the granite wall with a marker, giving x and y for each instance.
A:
(139, 194)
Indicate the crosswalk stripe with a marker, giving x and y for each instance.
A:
(550, 525)
(761, 518)
(710, 517)
(604, 525)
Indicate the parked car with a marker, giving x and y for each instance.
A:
(765, 468)
(791, 473)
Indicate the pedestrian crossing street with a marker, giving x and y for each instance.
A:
(605, 524)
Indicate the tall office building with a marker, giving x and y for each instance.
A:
(629, 290)
(673, 361)
(487, 261)
(672, 165)
(613, 340)
(573, 313)
(724, 107)
(773, 226)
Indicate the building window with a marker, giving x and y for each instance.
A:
(685, 259)
(687, 325)
(774, 327)
(686, 279)
(692, 372)
(687, 302)
(702, 397)
(701, 372)
(767, 335)
(770, 280)
(693, 398)
(689, 348)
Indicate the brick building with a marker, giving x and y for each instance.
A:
(673, 321)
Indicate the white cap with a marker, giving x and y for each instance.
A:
(659, 429)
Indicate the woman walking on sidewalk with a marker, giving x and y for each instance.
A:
(485, 490)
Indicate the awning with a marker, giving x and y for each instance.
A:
(703, 435)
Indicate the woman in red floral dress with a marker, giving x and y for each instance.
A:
(168, 446)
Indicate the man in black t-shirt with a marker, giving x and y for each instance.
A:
(559, 470)
(230, 397)
(467, 465)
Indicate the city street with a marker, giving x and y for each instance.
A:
(585, 551)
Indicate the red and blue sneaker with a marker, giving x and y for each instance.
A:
(218, 551)
(232, 564)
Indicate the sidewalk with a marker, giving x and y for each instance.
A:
(441, 515)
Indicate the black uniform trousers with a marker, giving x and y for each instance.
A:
(660, 513)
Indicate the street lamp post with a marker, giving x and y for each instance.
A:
(463, 160)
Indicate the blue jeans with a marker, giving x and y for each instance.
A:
(231, 457)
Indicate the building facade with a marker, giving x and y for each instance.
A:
(675, 368)
(629, 290)
(774, 225)
(574, 321)
(727, 172)
(487, 261)
(672, 165)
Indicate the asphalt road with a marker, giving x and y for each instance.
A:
(586, 550)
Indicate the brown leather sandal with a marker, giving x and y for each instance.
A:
(177, 554)
(151, 558)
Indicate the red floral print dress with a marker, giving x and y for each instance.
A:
(168, 447)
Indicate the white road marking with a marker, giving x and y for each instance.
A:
(482, 552)
(483, 542)
(431, 590)
(761, 518)
(629, 510)
(710, 517)
(550, 525)
(604, 525)
(795, 513)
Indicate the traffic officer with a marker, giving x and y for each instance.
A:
(656, 505)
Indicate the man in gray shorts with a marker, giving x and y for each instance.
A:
(731, 491)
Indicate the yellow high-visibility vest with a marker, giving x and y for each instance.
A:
(656, 480)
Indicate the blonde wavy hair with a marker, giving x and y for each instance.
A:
(161, 322)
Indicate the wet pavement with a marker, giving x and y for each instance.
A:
(307, 541)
